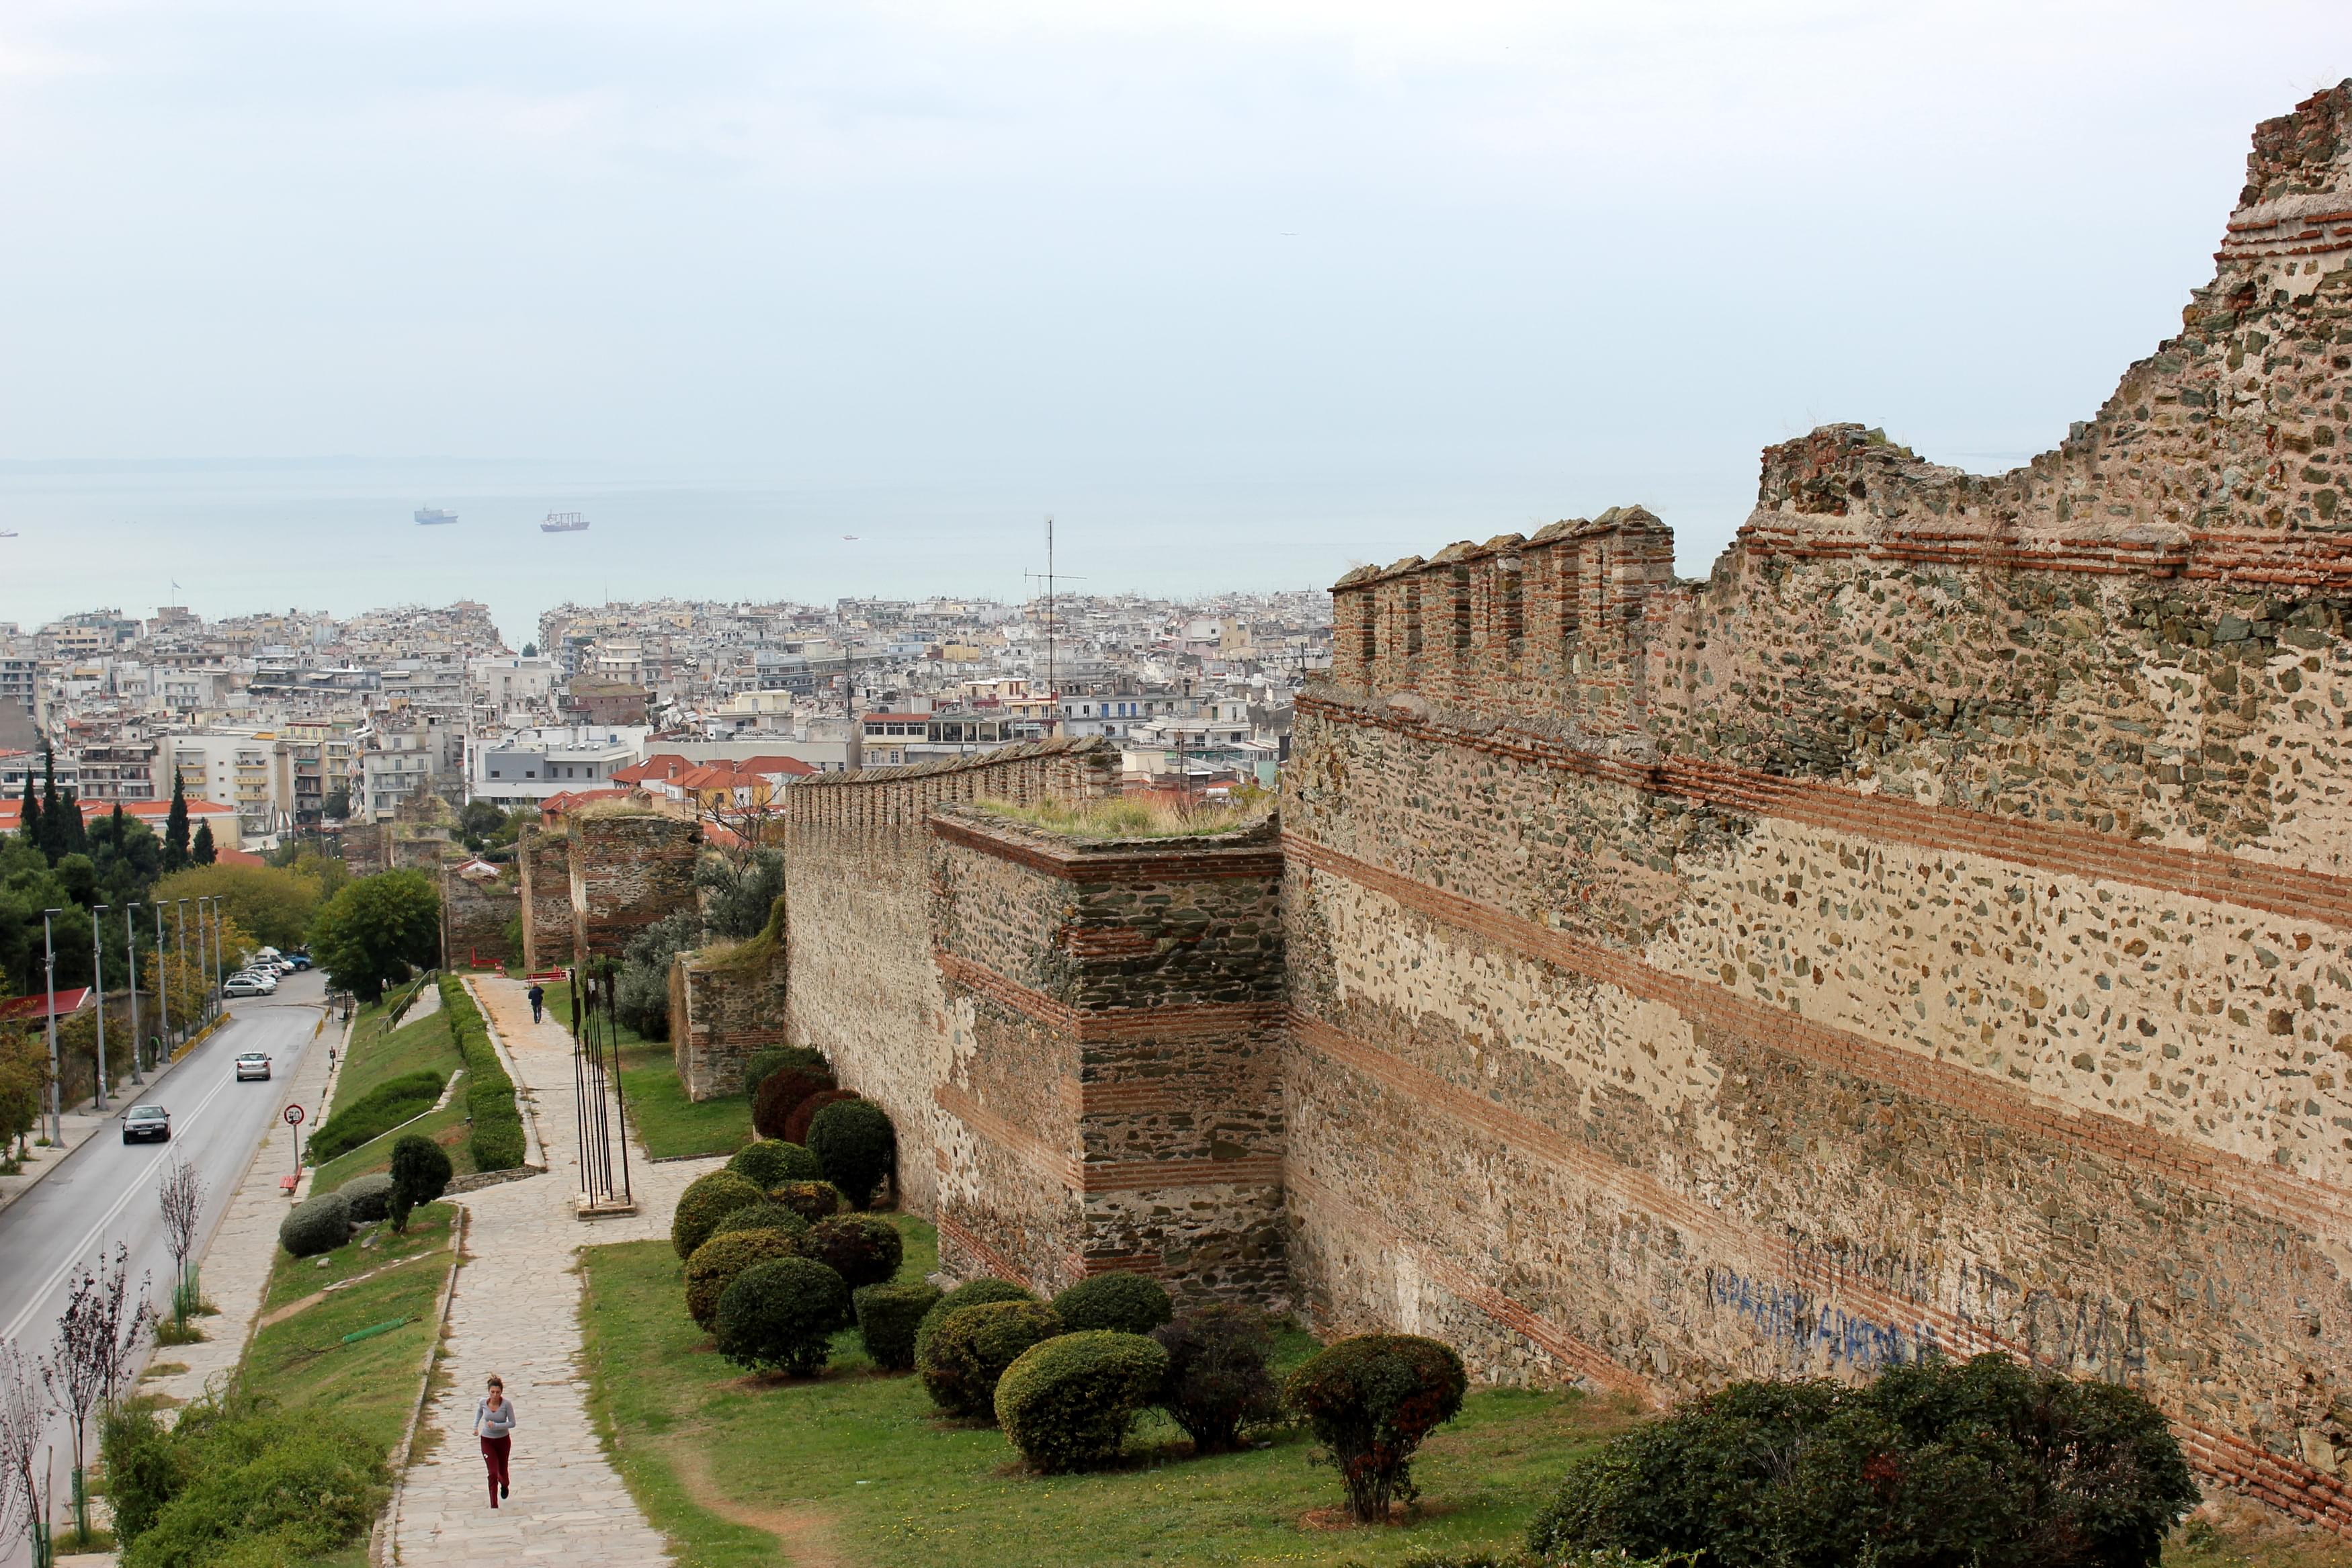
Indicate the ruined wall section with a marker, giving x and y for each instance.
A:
(861, 985)
(1116, 1013)
(626, 872)
(543, 857)
(724, 1005)
(1930, 930)
(475, 917)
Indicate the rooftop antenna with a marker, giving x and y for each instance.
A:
(1052, 625)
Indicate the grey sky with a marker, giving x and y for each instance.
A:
(1037, 248)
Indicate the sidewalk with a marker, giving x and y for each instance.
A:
(517, 1314)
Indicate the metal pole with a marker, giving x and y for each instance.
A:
(98, 984)
(131, 956)
(204, 1007)
(620, 1106)
(49, 965)
(216, 947)
(162, 984)
(180, 921)
(579, 1085)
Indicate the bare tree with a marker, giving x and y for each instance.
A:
(182, 1199)
(24, 1421)
(95, 1343)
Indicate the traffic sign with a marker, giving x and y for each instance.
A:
(293, 1115)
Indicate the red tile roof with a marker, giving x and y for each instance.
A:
(155, 813)
(654, 769)
(776, 767)
(34, 1008)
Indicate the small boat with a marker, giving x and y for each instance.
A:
(428, 516)
(563, 523)
(7, 533)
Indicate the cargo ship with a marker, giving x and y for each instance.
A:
(563, 523)
(428, 516)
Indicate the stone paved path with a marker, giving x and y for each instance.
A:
(517, 1314)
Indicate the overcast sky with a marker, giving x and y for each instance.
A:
(1035, 247)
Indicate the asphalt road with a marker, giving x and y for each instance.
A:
(105, 1191)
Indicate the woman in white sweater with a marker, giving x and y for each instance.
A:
(494, 1423)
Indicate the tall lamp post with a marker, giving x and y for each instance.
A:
(205, 1011)
(216, 949)
(49, 966)
(98, 984)
(131, 956)
(162, 984)
(179, 923)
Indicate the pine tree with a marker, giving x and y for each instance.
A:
(29, 824)
(73, 833)
(202, 851)
(175, 826)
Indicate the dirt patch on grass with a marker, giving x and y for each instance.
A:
(1320, 1521)
(804, 1534)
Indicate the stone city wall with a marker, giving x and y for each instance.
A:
(543, 855)
(1930, 931)
(725, 1004)
(627, 870)
(475, 917)
(1116, 1022)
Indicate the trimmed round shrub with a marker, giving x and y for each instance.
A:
(1982, 1461)
(854, 1141)
(781, 1315)
(771, 1162)
(370, 1195)
(762, 1215)
(862, 1250)
(1118, 1300)
(1371, 1400)
(316, 1225)
(970, 1293)
(770, 1059)
(707, 1200)
(887, 1316)
(812, 1201)
(1218, 1379)
(797, 1124)
(420, 1168)
(718, 1261)
(972, 1347)
(1067, 1402)
(780, 1095)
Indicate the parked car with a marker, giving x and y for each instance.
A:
(248, 985)
(299, 960)
(147, 1124)
(253, 1064)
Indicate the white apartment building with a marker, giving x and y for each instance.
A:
(524, 766)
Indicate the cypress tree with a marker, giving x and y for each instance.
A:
(53, 819)
(73, 834)
(175, 826)
(29, 826)
(202, 851)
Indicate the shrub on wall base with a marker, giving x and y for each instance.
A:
(1116, 1300)
(1371, 1400)
(780, 1316)
(762, 1215)
(722, 1261)
(803, 1116)
(972, 1347)
(854, 1141)
(771, 1162)
(862, 1250)
(812, 1201)
(316, 1225)
(1067, 1402)
(780, 1095)
(970, 1293)
(707, 1200)
(887, 1316)
(1218, 1382)
(770, 1059)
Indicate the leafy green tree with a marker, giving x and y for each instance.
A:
(338, 803)
(175, 826)
(376, 930)
(201, 849)
(276, 906)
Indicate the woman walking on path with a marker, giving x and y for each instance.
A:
(494, 1422)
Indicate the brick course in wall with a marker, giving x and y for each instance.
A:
(627, 872)
(1934, 929)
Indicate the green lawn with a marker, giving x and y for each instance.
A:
(854, 1467)
(374, 1383)
(378, 1055)
(666, 1123)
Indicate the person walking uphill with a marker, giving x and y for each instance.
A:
(538, 995)
(494, 1421)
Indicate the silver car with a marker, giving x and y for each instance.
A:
(253, 1064)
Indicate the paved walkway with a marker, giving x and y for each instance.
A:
(517, 1314)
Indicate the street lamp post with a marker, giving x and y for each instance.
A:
(98, 984)
(179, 923)
(162, 984)
(216, 947)
(49, 966)
(131, 956)
(202, 968)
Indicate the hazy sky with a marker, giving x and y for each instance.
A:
(1509, 261)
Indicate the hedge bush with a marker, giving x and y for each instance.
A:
(772, 1058)
(375, 1114)
(862, 1250)
(812, 1201)
(231, 1483)
(708, 1199)
(420, 1172)
(1127, 1302)
(1371, 1400)
(1067, 1402)
(317, 1224)
(887, 1316)
(1219, 1379)
(803, 1116)
(771, 1162)
(370, 1195)
(780, 1095)
(970, 1293)
(718, 1262)
(1978, 1462)
(781, 1314)
(970, 1348)
(763, 1215)
(854, 1141)
(498, 1141)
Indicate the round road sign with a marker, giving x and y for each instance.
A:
(293, 1115)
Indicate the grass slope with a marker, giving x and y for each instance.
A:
(666, 1123)
(378, 1054)
(857, 1464)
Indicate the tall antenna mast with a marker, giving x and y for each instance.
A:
(1052, 630)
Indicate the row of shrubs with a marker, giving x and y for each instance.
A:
(234, 1482)
(376, 1113)
(497, 1139)
(323, 1221)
